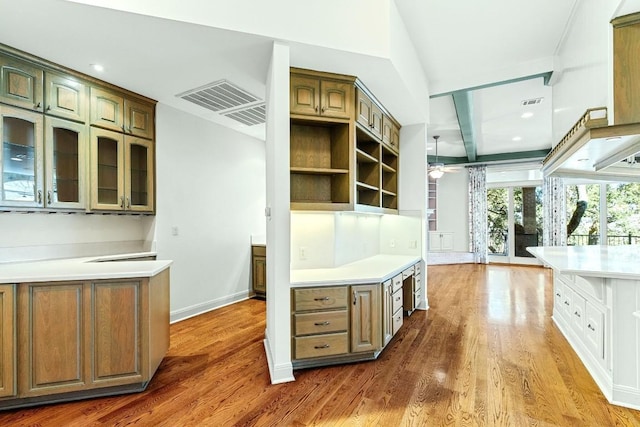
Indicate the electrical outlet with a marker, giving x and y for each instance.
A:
(413, 244)
(392, 243)
(174, 230)
(303, 253)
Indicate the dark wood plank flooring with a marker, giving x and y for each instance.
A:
(485, 354)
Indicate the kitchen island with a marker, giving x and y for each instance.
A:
(82, 327)
(597, 308)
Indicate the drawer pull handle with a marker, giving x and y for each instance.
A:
(320, 347)
(325, 323)
(591, 327)
(398, 299)
(576, 313)
(321, 299)
(557, 294)
(566, 303)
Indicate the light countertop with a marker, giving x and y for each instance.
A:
(88, 268)
(374, 269)
(622, 262)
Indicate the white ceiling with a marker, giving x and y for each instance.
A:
(460, 44)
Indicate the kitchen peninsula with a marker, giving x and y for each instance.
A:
(597, 308)
(81, 327)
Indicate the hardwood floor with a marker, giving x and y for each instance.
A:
(485, 354)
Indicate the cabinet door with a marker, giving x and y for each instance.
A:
(7, 347)
(577, 312)
(395, 137)
(363, 109)
(107, 109)
(336, 99)
(446, 241)
(21, 162)
(139, 119)
(375, 123)
(65, 163)
(138, 174)
(107, 170)
(387, 312)
(115, 327)
(65, 97)
(260, 274)
(52, 352)
(387, 130)
(365, 318)
(305, 95)
(20, 83)
(594, 332)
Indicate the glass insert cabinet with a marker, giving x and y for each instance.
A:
(123, 166)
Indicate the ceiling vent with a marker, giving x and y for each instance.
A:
(229, 100)
(532, 101)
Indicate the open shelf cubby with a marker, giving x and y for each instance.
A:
(319, 162)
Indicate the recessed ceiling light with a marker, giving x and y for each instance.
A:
(583, 160)
(97, 67)
(527, 115)
(429, 148)
(516, 138)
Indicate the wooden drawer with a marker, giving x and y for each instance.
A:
(397, 322)
(320, 322)
(397, 283)
(396, 299)
(305, 299)
(321, 345)
(408, 272)
(259, 250)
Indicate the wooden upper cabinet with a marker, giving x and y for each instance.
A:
(313, 95)
(20, 83)
(626, 69)
(7, 341)
(305, 95)
(107, 109)
(138, 119)
(65, 97)
(390, 133)
(369, 114)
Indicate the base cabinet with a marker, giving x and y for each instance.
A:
(80, 339)
(7, 341)
(346, 323)
(259, 270)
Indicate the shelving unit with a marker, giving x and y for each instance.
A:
(320, 172)
(432, 200)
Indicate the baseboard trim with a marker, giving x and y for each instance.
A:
(204, 307)
(282, 373)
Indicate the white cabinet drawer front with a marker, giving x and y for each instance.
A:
(566, 302)
(397, 321)
(417, 297)
(320, 298)
(408, 272)
(321, 345)
(396, 299)
(417, 269)
(417, 282)
(397, 282)
(558, 296)
(322, 322)
(577, 313)
(594, 330)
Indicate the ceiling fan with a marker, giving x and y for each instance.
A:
(437, 169)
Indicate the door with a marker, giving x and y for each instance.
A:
(138, 175)
(514, 216)
(65, 163)
(365, 318)
(7, 341)
(54, 358)
(21, 163)
(107, 170)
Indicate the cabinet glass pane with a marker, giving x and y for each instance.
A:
(107, 170)
(139, 190)
(498, 220)
(18, 160)
(65, 166)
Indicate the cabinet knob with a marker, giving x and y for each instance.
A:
(39, 197)
(128, 202)
(37, 106)
(576, 313)
(122, 202)
(591, 327)
(49, 197)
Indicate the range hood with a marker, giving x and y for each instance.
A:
(593, 149)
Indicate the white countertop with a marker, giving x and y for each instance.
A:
(88, 268)
(622, 262)
(374, 269)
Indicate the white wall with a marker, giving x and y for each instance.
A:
(453, 208)
(211, 187)
(37, 236)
